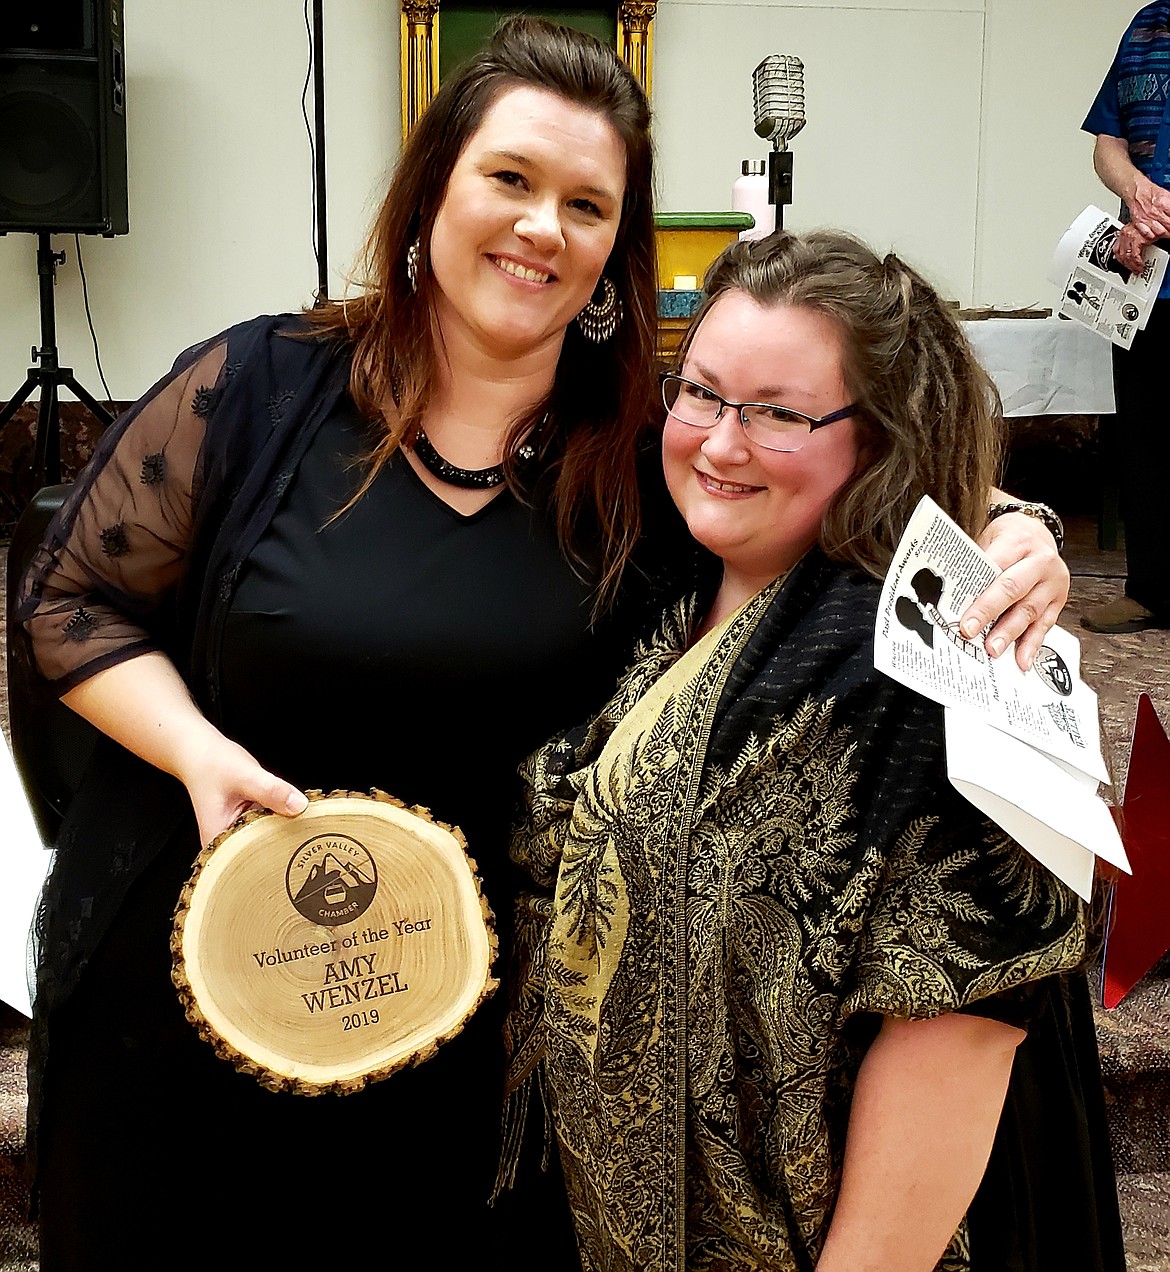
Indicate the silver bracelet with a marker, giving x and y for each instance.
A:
(1042, 512)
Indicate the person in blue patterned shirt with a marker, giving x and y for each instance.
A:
(1131, 121)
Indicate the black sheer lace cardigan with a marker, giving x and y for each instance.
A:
(143, 555)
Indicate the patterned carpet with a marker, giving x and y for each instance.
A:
(18, 1247)
(1135, 1040)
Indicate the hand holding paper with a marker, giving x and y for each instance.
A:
(1111, 296)
(1024, 747)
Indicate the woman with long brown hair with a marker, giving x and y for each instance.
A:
(353, 548)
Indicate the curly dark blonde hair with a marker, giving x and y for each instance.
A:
(930, 417)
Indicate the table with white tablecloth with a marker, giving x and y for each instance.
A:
(1045, 366)
(1053, 366)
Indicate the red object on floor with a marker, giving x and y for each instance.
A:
(1138, 931)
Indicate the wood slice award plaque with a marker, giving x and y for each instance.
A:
(322, 952)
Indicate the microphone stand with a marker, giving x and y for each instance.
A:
(779, 181)
(778, 98)
(319, 211)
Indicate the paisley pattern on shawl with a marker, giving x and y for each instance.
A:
(755, 855)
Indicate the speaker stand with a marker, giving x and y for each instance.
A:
(50, 375)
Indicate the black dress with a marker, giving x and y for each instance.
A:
(1048, 1201)
(401, 646)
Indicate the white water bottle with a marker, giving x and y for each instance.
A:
(750, 194)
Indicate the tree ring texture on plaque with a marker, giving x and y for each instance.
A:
(322, 952)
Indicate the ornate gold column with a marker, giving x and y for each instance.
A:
(635, 33)
(420, 58)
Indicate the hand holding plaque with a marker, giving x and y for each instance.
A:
(323, 952)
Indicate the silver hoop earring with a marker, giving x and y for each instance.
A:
(599, 319)
(412, 255)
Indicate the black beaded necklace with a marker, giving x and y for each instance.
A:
(467, 478)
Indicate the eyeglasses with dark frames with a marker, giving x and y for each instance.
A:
(775, 428)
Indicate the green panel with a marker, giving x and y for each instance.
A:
(464, 28)
(704, 221)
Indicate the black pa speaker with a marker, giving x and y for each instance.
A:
(62, 117)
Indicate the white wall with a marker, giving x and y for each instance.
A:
(947, 129)
(220, 178)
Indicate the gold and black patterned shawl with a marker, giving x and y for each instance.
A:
(746, 860)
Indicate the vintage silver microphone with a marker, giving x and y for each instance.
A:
(778, 95)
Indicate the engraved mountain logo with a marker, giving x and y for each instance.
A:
(331, 879)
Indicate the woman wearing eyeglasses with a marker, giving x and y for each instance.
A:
(778, 968)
